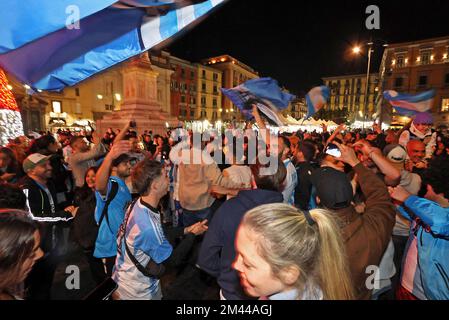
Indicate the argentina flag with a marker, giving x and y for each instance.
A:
(266, 94)
(407, 104)
(316, 99)
(51, 44)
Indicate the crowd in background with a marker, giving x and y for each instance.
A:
(337, 208)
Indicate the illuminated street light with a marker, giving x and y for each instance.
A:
(356, 50)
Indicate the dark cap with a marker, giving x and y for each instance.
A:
(124, 157)
(333, 188)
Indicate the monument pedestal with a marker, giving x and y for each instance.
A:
(140, 101)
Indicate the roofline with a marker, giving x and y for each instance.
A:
(362, 75)
(415, 42)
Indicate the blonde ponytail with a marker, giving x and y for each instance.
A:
(332, 261)
(317, 250)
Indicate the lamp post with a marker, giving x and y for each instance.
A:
(358, 50)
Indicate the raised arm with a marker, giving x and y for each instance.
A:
(103, 173)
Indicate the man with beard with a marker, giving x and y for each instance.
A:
(113, 196)
(41, 200)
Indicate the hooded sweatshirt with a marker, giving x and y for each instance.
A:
(217, 251)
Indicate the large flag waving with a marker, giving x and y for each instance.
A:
(266, 94)
(50, 44)
(407, 104)
(316, 99)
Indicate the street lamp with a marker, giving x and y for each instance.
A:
(358, 50)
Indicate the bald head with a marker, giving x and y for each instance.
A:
(416, 150)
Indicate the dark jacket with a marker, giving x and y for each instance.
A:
(85, 228)
(217, 252)
(366, 235)
(49, 218)
(304, 188)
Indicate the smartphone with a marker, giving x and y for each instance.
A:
(132, 124)
(333, 150)
(103, 292)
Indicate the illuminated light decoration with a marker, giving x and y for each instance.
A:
(445, 56)
(99, 96)
(406, 60)
(418, 59)
(118, 97)
(10, 119)
(223, 59)
(393, 62)
(432, 57)
(26, 86)
(214, 61)
(9, 86)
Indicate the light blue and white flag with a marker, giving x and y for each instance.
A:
(51, 44)
(265, 93)
(407, 104)
(316, 99)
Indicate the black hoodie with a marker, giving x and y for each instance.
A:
(217, 251)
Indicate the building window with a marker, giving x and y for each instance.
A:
(192, 113)
(203, 87)
(77, 92)
(426, 56)
(183, 99)
(446, 79)
(422, 81)
(400, 59)
(204, 74)
(214, 103)
(445, 105)
(215, 77)
(192, 74)
(215, 89)
(183, 73)
(203, 101)
(398, 82)
(56, 106)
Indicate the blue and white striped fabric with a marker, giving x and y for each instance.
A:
(41, 45)
(316, 98)
(407, 104)
(267, 95)
(146, 240)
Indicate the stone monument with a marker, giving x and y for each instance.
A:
(139, 101)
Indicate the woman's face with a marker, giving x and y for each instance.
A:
(90, 179)
(35, 255)
(4, 160)
(54, 147)
(256, 276)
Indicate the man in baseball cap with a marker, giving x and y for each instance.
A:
(333, 188)
(37, 160)
(365, 235)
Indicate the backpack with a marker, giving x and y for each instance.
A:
(85, 228)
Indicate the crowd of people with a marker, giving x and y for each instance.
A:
(348, 214)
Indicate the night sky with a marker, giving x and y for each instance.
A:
(298, 45)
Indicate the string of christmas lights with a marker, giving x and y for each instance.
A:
(11, 125)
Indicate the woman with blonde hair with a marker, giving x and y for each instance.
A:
(284, 253)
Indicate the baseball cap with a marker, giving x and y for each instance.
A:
(34, 160)
(332, 187)
(423, 118)
(395, 153)
(124, 157)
